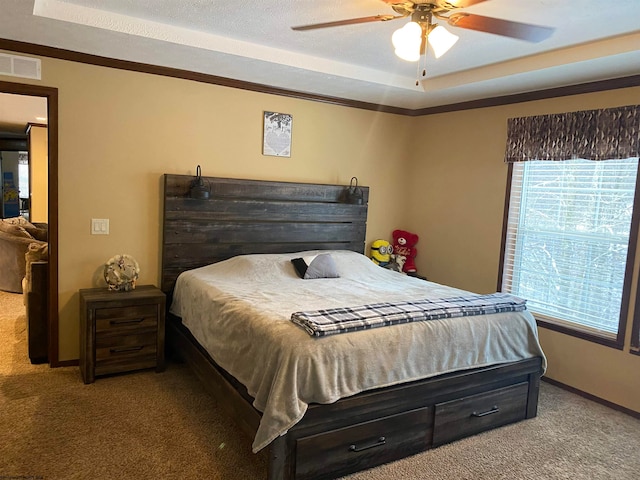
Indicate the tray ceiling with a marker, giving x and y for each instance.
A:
(252, 41)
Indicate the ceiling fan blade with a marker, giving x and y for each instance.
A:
(441, 3)
(463, 3)
(350, 21)
(506, 28)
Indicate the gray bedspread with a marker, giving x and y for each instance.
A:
(240, 311)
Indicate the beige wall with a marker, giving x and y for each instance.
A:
(38, 163)
(119, 132)
(458, 185)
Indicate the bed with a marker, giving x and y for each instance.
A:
(355, 402)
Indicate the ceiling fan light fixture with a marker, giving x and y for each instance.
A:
(408, 54)
(441, 40)
(407, 41)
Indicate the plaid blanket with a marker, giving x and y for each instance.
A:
(330, 321)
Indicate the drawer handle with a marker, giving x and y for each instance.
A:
(126, 349)
(493, 410)
(381, 441)
(126, 322)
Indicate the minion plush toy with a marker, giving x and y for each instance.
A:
(381, 251)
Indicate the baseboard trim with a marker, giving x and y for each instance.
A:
(589, 396)
(67, 363)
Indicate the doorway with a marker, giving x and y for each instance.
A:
(51, 96)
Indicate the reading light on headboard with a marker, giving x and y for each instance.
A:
(198, 188)
(354, 192)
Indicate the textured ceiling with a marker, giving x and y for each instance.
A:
(252, 41)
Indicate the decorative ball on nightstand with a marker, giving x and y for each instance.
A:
(121, 273)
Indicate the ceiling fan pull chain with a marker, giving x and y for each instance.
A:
(422, 63)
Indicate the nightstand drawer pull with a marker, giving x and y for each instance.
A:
(126, 322)
(381, 441)
(126, 349)
(493, 410)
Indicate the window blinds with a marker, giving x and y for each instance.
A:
(567, 239)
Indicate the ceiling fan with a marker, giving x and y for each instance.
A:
(412, 43)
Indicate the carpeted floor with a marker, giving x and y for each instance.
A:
(146, 425)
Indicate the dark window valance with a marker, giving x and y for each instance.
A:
(611, 133)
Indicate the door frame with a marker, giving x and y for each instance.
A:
(51, 95)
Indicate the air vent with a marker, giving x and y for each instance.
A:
(16, 66)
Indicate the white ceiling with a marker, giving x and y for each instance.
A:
(252, 41)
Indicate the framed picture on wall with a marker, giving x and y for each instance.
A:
(277, 134)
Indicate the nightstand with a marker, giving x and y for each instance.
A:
(121, 331)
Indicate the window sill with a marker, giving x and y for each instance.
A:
(606, 340)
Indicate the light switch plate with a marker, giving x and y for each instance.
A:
(99, 226)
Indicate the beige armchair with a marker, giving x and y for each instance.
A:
(14, 243)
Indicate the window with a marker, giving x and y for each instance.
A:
(567, 240)
(23, 174)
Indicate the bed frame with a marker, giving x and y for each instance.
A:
(354, 433)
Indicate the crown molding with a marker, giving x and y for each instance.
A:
(58, 53)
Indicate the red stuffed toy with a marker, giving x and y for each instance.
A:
(404, 246)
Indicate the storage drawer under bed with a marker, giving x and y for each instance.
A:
(363, 445)
(476, 413)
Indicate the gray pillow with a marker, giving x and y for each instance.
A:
(318, 266)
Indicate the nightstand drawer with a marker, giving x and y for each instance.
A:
(131, 352)
(477, 413)
(122, 344)
(124, 319)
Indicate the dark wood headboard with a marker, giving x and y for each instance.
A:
(253, 216)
